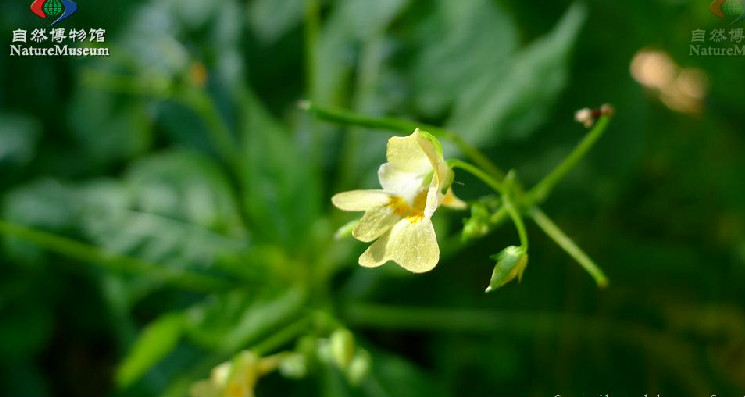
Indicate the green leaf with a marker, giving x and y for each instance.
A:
(173, 208)
(44, 203)
(109, 127)
(18, 136)
(352, 22)
(465, 42)
(514, 100)
(156, 341)
(282, 187)
(186, 186)
(237, 319)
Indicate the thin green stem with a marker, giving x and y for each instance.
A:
(119, 263)
(348, 118)
(499, 216)
(517, 220)
(312, 29)
(475, 155)
(283, 336)
(155, 87)
(543, 188)
(402, 126)
(509, 207)
(478, 173)
(566, 243)
(511, 188)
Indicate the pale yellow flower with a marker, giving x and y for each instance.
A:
(415, 183)
(236, 378)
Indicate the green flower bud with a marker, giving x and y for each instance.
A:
(478, 224)
(474, 229)
(511, 263)
(342, 348)
(359, 367)
(346, 230)
(323, 351)
(293, 366)
(219, 375)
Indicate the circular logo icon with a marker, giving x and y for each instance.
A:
(732, 8)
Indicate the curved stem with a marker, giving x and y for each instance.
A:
(509, 207)
(542, 189)
(517, 220)
(478, 173)
(340, 116)
(402, 126)
(475, 155)
(283, 336)
(568, 245)
(311, 46)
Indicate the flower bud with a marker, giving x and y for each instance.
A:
(474, 229)
(342, 348)
(293, 366)
(478, 224)
(588, 116)
(359, 367)
(511, 263)
(346, 230)
(219, 375)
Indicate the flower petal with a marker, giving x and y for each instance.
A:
(375, 255)
(437, 163)
(375, 222)
(452, 201)
(434, 197)
(403, 184)
(441, 173)
(360, 200)
(406, 154)
(413, 245)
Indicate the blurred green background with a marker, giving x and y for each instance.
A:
(185, 149)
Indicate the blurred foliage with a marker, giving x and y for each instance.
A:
(200, 194)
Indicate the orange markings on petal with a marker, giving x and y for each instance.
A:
(399, 206)
(415, 217)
